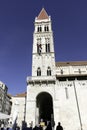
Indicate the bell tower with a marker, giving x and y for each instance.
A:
(41, 85)
(43, 57)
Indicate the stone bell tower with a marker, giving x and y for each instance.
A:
(43, 57)
(40, 86)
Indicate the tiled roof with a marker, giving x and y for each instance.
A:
(72, 63)
(43, 15)
(21, 95)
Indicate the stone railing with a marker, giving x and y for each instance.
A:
(40, 78)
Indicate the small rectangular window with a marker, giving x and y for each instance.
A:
(48, 47)
(66, 91)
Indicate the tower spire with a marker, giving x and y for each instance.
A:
(43, 15)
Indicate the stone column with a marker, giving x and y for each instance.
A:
(37, 116)
(30, 112)
(56, 112)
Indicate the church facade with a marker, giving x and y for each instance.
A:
(56, 91)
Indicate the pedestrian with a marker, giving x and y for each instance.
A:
(2, 126)
(30, 126)
(49, 127)
(59, 127)
(36, 128)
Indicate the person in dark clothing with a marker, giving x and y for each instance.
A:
(59, 127)
(49, 127)
(40, 127)
(36, 128)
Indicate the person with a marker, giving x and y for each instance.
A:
(42, 123)
(53, 124)
(30, 126)
(36, 127)
(2, 126)
(40, 127)
(59, 127)
(49, 127)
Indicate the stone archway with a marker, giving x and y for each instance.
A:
(44, 107)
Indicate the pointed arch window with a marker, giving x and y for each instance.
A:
(48, 47)
(39, 46)
(39, 29)
(48, 71)
(47, 41)
(38, 71)
(46, 28)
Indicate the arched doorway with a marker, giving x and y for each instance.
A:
(44, 106)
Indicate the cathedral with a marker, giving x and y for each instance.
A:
(56, 91)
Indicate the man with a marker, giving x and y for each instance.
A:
(59, 127)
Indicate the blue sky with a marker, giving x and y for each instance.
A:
(69, 23)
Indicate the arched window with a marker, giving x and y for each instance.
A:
(47, 46)
(48, 71)
(46, 28)
(39, 29)
(38, 71)
(39, 46)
